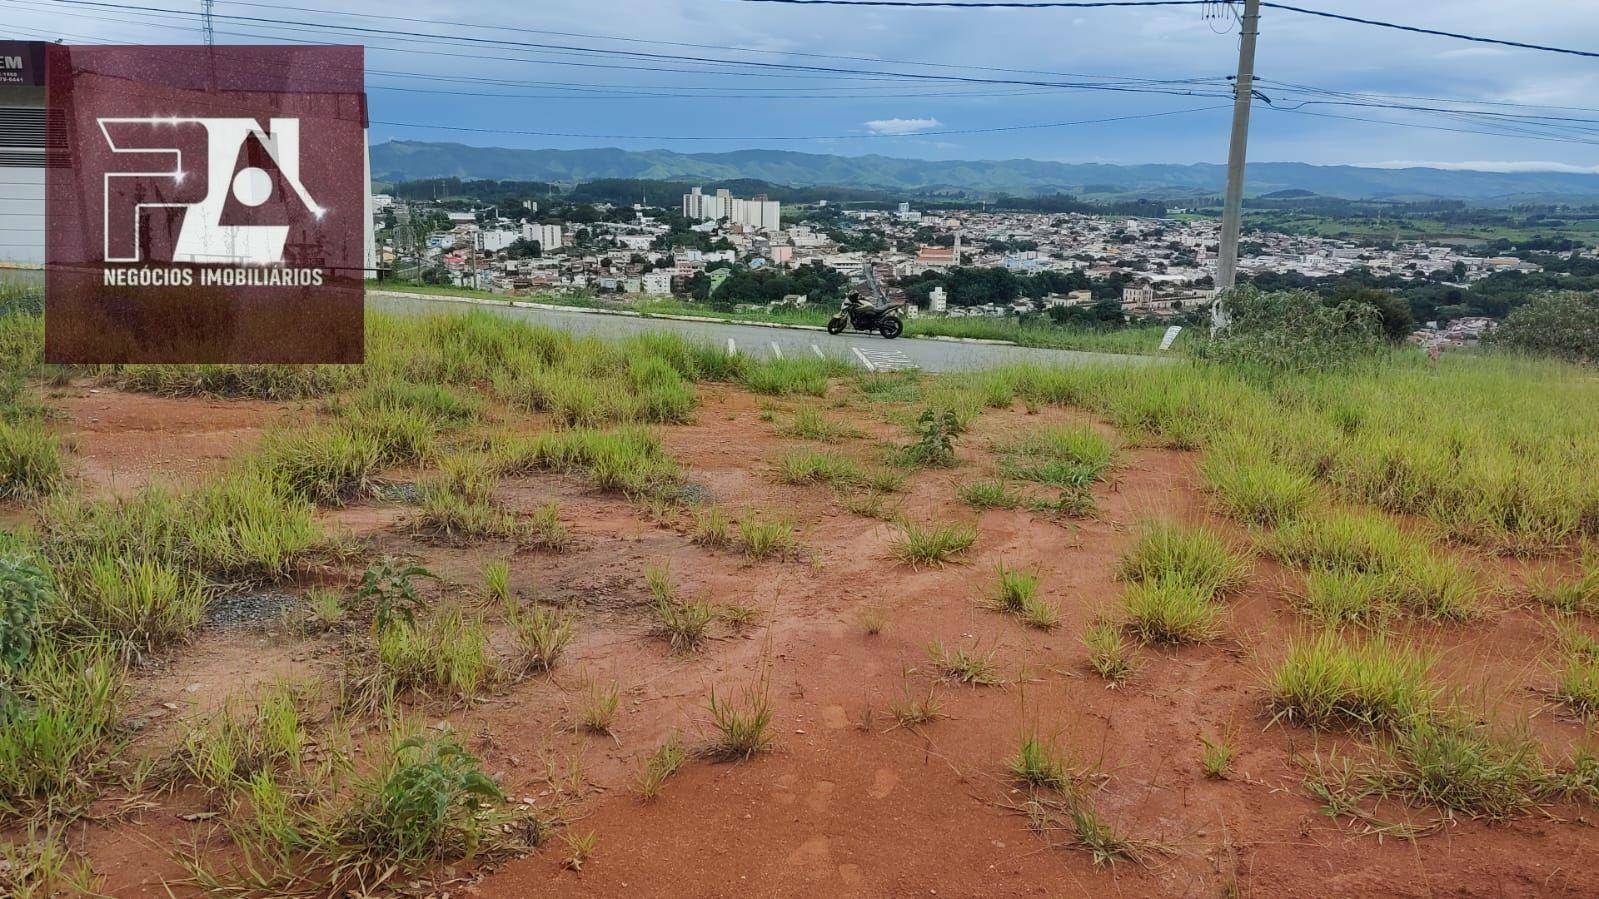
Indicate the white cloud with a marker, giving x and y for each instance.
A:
(1489, 166)
(901, 126)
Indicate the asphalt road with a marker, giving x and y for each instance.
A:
(864, 350)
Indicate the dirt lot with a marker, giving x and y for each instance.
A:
(848, 802)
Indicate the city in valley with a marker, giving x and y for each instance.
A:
(1109, 268)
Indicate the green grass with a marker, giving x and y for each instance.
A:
(1334, 597)
(812, 467)
(1516, 474)
(60, 725)
(742, 721)
(244, 739)
(1059, 457)
(1364, 567)
(30, 460)
(965, 666)
(1332, 681)
(1250, 486)
(660, 765)
(685, 623)
(1170, 553)
(810, 424)
(1577, 684)
(936, 544)
(985, 495)
(791, 377)
(626, 460)
(1216, 757)
(1040, 764)
(41, 865)
(767, 537)
(445, 654)
(1015, 593)
(540, 636)
(1170, 611)
(1110, 655)
(1343, 540)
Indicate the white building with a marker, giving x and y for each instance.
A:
(548, 237)
(496, 240)
(658, 283)
(759, 213)
(937, 300)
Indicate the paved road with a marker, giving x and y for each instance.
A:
(865, 350)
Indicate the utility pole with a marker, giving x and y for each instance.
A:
(1237, 151)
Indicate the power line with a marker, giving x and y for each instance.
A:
(765, 69)
(1072, 4)
(1417, 30)
(931, 133)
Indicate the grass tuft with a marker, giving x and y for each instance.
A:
(934, 544)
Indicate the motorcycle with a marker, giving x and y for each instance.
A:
(887, 320)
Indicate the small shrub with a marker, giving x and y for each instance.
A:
(389, 585)
(935, 440)
(430, 802)
(25, 589)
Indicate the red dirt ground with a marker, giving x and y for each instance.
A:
(847, 804)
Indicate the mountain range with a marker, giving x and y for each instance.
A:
(402, 160)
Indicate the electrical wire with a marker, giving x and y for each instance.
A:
(1087, 4)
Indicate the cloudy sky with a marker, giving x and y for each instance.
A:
(712, 75)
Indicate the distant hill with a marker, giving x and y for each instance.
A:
(412, 160)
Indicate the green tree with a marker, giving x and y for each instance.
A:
(1564, 325)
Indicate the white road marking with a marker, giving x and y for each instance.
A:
(777, 350)
(864, 361)
(731, 349)
(885, 360)
(821, 355)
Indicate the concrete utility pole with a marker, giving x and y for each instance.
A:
(1237, 151)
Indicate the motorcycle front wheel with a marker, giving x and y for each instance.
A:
(835, 325)
(891, 327)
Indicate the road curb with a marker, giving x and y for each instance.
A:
(628, 313)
